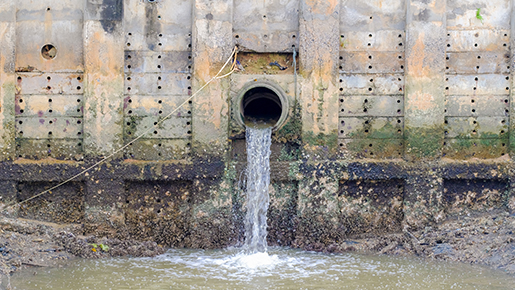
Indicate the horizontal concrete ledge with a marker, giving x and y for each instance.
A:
(285, 170)
(116, 169)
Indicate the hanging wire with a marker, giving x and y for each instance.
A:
(295, 71)
(217, 76)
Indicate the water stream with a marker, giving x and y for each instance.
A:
(258, 180)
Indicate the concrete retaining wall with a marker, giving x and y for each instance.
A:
(398, 114)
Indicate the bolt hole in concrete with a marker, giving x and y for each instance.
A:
(48, 51)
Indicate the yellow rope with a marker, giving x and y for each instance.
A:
(217, 76)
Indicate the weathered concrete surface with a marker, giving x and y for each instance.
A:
(398, 116)
(425, 63)
(7, 85)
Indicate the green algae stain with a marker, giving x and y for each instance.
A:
(424, 142)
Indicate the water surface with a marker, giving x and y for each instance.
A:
(280, 268)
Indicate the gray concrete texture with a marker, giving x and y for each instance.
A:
(398, 114)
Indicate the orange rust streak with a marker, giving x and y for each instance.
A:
(322, 7)
(422, 101)
(416, 62)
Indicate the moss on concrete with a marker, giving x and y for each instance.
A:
(424, 142)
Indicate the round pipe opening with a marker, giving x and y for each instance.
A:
(262, 105)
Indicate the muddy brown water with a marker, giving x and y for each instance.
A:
(281, 268)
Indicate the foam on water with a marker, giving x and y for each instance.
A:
(281, 268)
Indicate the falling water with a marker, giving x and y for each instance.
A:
(258, 180)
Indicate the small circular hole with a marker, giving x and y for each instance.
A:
(48, 51)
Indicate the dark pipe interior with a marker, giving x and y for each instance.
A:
(261, 106)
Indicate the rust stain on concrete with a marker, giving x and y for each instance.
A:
(322, 7)
(422, 101)
(416, 64)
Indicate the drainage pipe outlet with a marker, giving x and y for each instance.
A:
(262, 104)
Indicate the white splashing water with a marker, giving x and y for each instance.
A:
(258, 180)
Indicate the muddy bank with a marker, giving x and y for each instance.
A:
(487, 239)
(28, 243)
